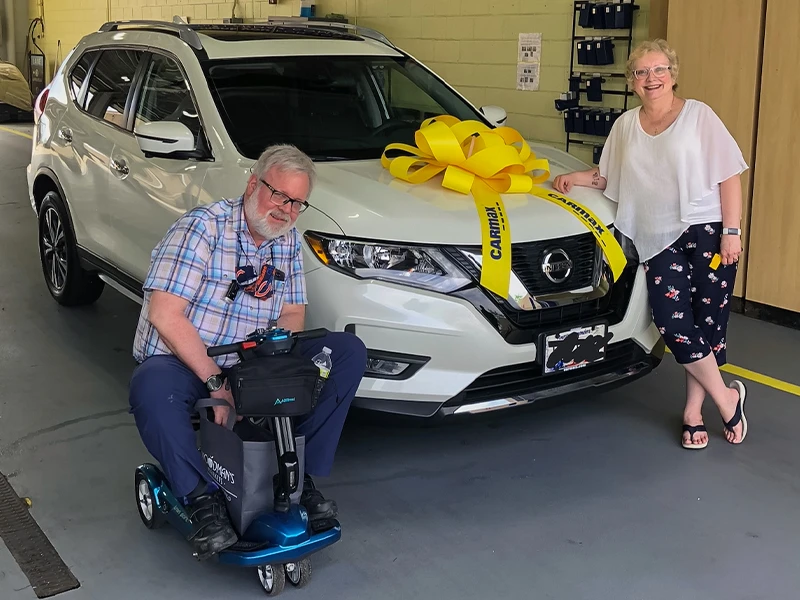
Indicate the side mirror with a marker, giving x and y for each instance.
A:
(495, 114)
(164, 138)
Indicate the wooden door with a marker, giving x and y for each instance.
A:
(718, 44)
(774, 248)
(658, 17)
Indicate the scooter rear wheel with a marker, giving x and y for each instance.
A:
(272, 579)
(298, 574)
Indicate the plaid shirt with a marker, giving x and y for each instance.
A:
(197, 261)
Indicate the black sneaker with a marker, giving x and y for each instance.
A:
(213, 531)
(315, 503)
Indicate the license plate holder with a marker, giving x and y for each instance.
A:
(573, 348)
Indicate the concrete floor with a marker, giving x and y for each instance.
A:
(589, 499)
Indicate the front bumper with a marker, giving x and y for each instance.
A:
(522, 384)
(461, 359)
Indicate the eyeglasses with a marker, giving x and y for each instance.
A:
(282, 199)
(659, 71)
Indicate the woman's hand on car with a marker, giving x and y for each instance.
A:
(591, 178)
(564, 183)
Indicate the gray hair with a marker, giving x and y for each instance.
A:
(286, 158)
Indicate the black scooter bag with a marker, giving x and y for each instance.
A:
(281, 385)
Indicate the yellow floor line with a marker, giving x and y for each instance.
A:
(777, 384)
(14, 131)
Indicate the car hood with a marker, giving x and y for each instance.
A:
(367, 202)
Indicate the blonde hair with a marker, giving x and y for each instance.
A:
(648, 46)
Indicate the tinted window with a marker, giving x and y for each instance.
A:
(110, 83)
(78, 74)
(165, 96)
(347, 107)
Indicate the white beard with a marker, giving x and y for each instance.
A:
(261, 223)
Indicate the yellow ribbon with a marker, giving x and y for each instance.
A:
(486, 163)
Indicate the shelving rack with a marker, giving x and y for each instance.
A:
(581, 73)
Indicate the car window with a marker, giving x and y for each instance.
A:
(405, 98)
(110, 84)
(165, 96)
(78, 74)
(328, 106)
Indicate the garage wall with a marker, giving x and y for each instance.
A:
(13, 28)
(65, 22)
(473, 44)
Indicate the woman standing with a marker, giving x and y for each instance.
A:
(674, 170)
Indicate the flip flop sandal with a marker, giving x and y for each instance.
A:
(739, 414)
(692, 429)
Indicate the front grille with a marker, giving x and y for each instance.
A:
(527, 258)
(527, 378)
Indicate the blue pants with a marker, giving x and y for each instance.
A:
(690, 300)
(163, 392)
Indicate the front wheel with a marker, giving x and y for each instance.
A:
(298, 574)
(68, 283)
(272, 578)
(145, 501)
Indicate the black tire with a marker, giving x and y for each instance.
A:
(150, 514)
(272, 579)
(301, 574)
(68, 283)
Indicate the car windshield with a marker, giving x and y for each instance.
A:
(331, 107)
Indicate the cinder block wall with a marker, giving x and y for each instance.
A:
(471, 43)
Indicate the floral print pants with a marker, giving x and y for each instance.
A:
(690, 300)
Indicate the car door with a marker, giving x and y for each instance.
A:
(150, 192)
(81, 150)
(87, 133)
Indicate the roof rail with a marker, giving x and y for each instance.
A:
(183, 31)
(323, 24)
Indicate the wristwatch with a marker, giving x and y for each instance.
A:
(731, 231)
(215, 382)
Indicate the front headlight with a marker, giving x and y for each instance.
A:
(416, 266)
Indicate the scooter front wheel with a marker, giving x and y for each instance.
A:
(272, 578)
(145, 501)
(298, 573)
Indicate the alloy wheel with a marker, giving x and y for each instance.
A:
(54, 247)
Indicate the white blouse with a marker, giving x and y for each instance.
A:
(664, 183)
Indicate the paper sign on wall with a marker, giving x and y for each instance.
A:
(530, 48)
(527, 76)
(528, 60)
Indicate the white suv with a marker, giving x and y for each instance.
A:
(145, 120)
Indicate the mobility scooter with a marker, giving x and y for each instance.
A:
(280, 540)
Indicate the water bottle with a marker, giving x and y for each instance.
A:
(324, 364)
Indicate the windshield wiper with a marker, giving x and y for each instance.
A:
(323, 157)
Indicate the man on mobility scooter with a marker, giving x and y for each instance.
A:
(221, 272)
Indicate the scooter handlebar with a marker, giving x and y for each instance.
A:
(224, 349)
(247, 344)
(311, 333)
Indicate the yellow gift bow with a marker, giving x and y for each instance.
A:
(486, 163)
